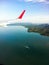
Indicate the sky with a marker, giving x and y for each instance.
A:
(37, 11)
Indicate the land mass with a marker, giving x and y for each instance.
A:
(43, 29)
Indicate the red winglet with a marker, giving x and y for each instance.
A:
(20, 17)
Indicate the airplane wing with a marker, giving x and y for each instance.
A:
(20, 17)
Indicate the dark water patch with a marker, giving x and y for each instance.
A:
(18, 47)
(1, 64)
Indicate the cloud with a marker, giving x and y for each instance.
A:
(28, 0)
(36, 1)
(39, 1)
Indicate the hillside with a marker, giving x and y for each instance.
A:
(43, 29)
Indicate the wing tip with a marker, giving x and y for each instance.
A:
(21, 15)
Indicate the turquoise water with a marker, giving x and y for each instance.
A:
(19, 47)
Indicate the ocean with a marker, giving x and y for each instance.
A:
(20, 47)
